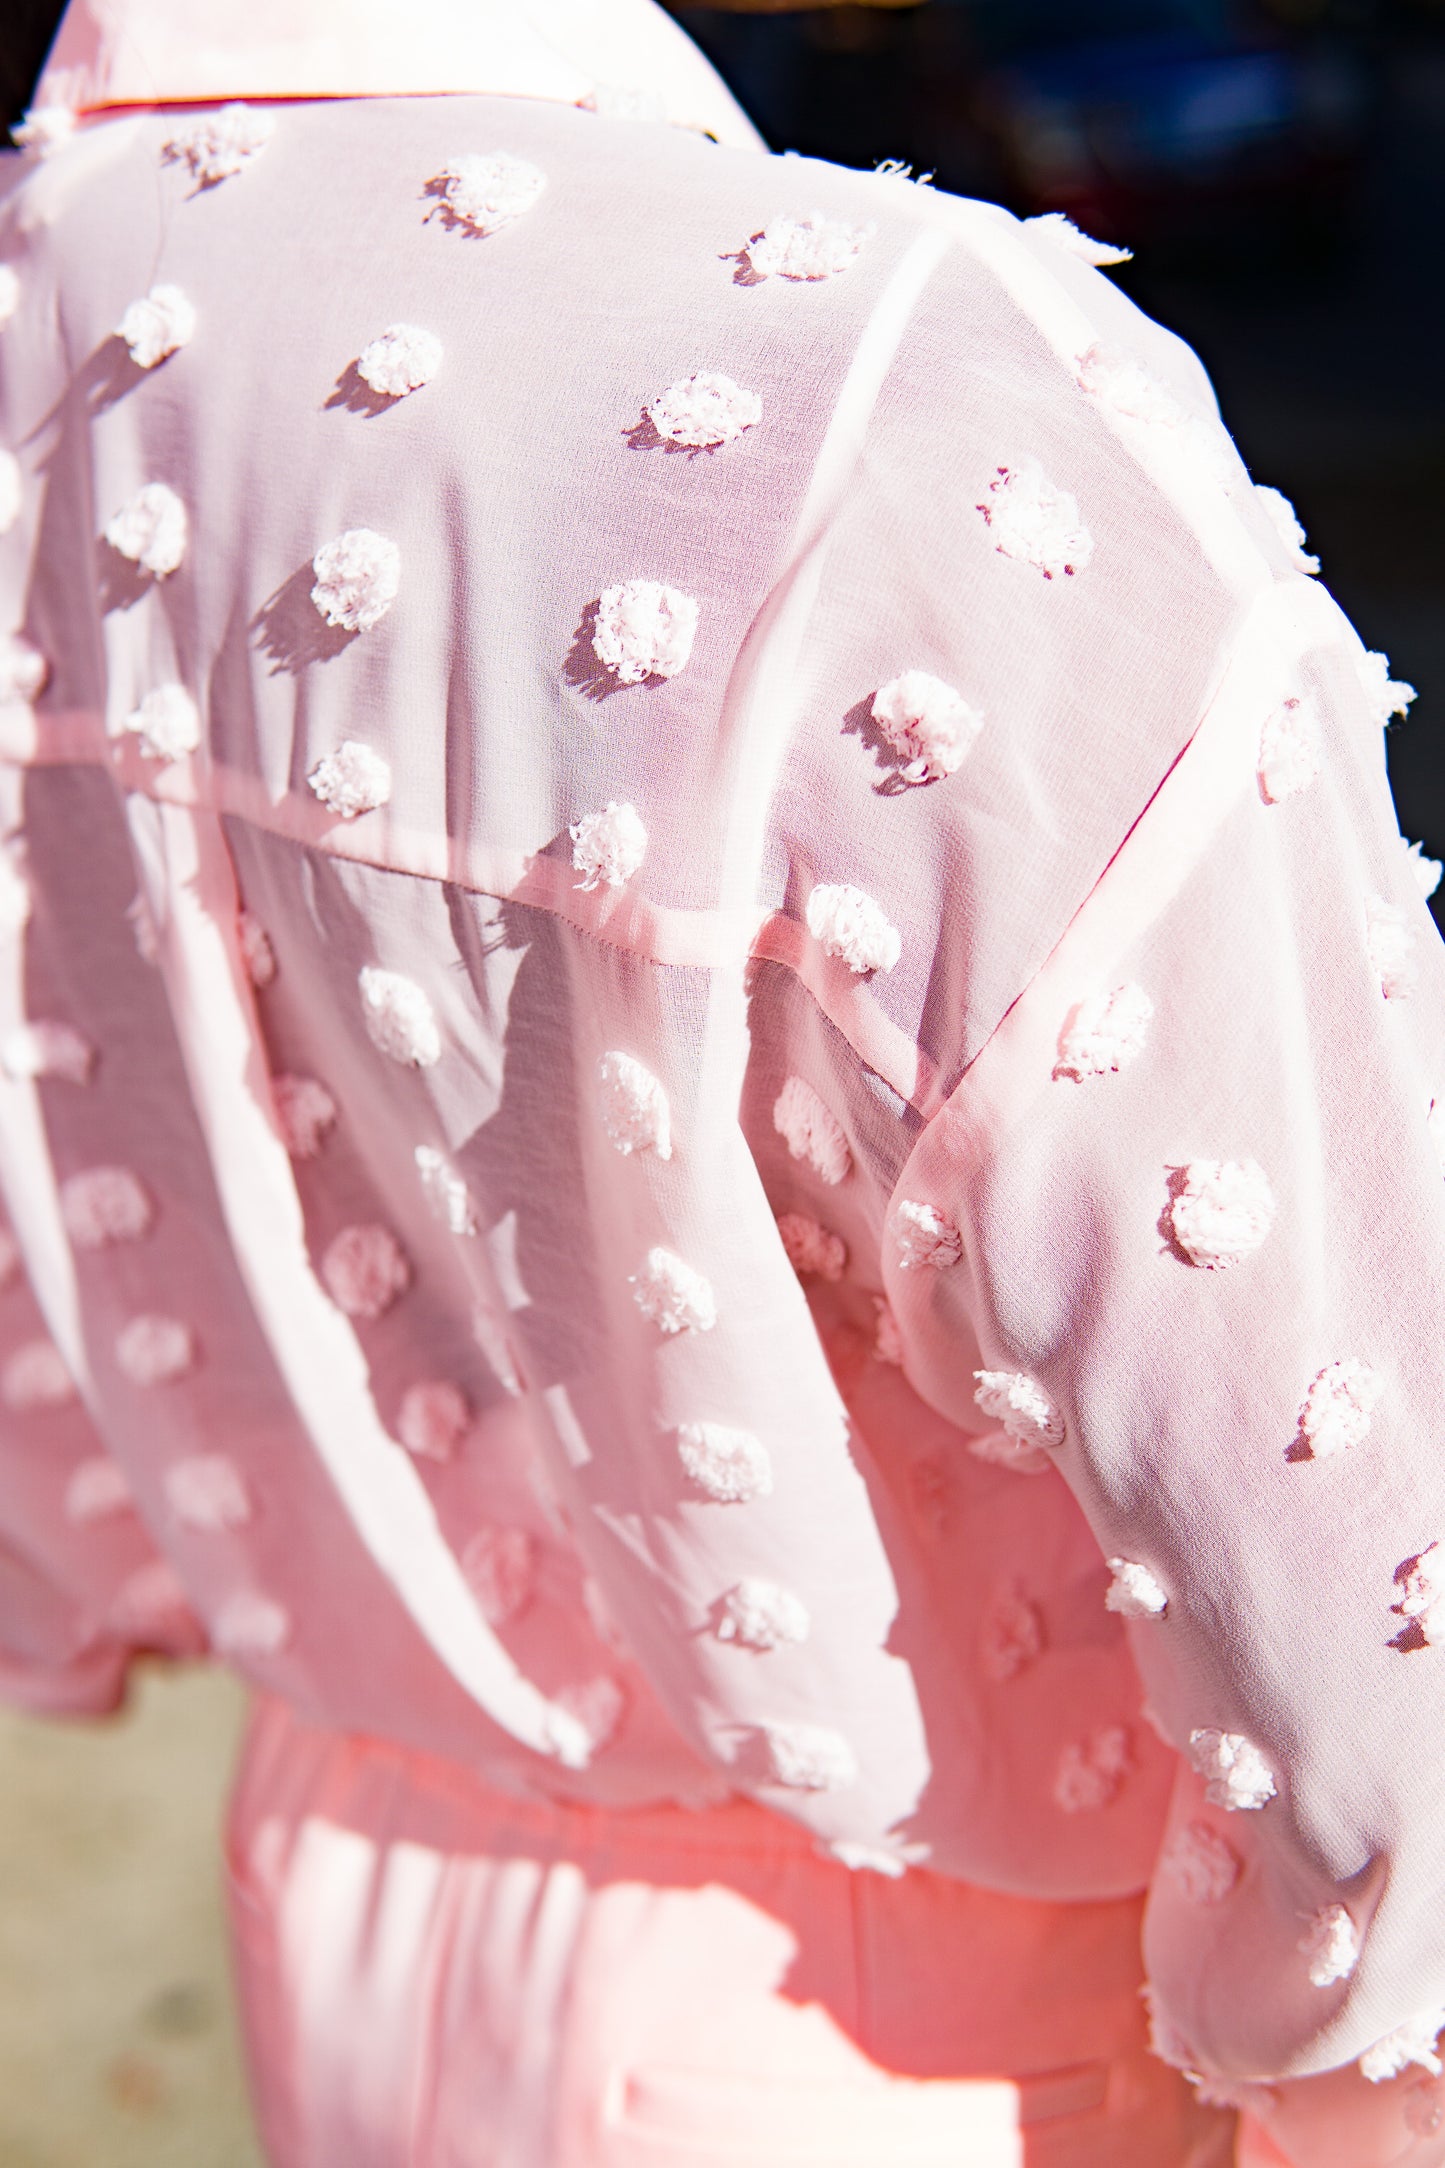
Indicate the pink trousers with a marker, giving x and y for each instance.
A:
(436, 1976)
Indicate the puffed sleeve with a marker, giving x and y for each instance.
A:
(1196, 1180)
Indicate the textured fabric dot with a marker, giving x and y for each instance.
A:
(47, 1049)
(704, 410)
(643, 630)
(250, 1625)
(1020, 1403)
(1224, 1210)
(1104, 1033)
(445, 1191)
(207, 1493)
(1390, 939)
(608, 846)
(353, 780)
(403, 359)
(220, 144)
(306, 1112)
(1056, 227)
(1032, 520)
(167, 723)
(365, 1270)
(1412, 2042)
(1134, 1592)
(24, 671)
(158, 326)
(97, 1491)
(1331, 1945)
(1001, 1450)
(433, 1419)
(399, 1018)
(500, 1565)
(850, 925)
(36, 1377)
(1385, 696)
(816, 247)
(1337, 1408)
(1090, 1771)
(887, 1340)
(811, 1248)
(45, 130)
(1237, 1776)
(154, 1350)
(811, 1132)
(1012, 1636)
(358, 578)
(1424, 871)
(257, 954)
(1282, 517)
(1202, 1867)
(674, 1296)
(1120, 382)
(597, 1707)
(634, 1106)
(924, 1237)
(1291, 750)
(487, 190)
(810, 1758)
(104, 1205)
(12, 491)
(1420, 1598)
(151, 1606)
(928, 722)
(760, 1615)
(732, 1466)
(150, 529)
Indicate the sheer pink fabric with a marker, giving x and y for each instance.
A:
(674, 1050)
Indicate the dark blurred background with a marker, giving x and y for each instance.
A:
(1279, 167)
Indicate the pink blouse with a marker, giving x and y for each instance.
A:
(721, 1072)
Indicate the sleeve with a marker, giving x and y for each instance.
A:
(1196, 1178)
(82, 1587)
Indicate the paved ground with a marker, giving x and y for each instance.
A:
(117, 2043)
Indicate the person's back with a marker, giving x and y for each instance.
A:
(685, 838)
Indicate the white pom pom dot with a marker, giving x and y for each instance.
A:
(1223, 1212)
(644, 630)
(399, 1017)
(365, 1270)
(403, 359)
(358, 578)
(150, 530)
(354, 779)
(849, 924)
(608, 846)
(158, 326)
(704, 410)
